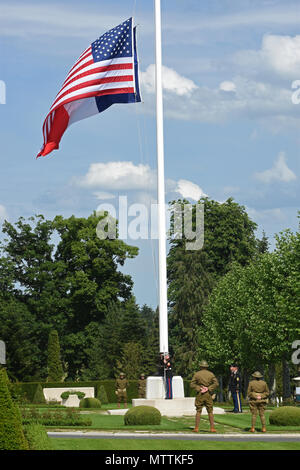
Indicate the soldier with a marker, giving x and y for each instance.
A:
(169, 377)
(121, 389)
(235, 386)
(257, 394)
(142, 386)
(204, 382)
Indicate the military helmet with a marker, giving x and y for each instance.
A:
(203, 363)
(142, 375)
(257, 375)
(122, 373)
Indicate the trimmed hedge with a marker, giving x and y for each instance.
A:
(11, 431)
(285, 416)
(90, 403)
(140, 415)
(39, 397)
(37, 437)
(26, 390)
(65, 395)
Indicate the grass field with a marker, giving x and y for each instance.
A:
(148, 445)
(223, 424)
(228, 423)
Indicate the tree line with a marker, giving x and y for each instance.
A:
(233, 300)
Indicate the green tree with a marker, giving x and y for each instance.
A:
(19, 330)
(131, 361)
(65, 285)
(55, 370)
(228, 238)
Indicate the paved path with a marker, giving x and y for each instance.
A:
(233, 437)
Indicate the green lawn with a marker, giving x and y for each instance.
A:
(227, 423)
(144, 444)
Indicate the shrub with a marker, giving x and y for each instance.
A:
(65, 395)
(39, 395)
(102, 395)
(90, 403)
(140, 415)
(56, 417)
(285, 416)
(37, 437)
(11, 431)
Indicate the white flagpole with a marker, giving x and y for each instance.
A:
(162, 259)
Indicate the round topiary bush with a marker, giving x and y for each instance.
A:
(142, 415)
(90, 403)
(285, 416)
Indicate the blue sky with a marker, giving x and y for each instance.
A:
(231, 128)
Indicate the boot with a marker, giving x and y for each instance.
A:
(211, 422)
(198, 417)
(264, 429)
(252, 429)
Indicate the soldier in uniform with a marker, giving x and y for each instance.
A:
(121, 389)
(235, 387)
(142, 386)
(257, 394)
(204, 382)
(168, 377)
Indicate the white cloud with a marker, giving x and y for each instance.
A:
(171, 81)
(279, 55)
(189, 190)
(279, 172)
(227, 86)
(119, 176)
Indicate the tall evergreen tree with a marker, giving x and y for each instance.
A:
(55, 370)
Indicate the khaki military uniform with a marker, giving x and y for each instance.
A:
(121, 389)
(204, 378)
(258, 388)
(142, 388)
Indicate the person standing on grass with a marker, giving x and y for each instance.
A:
(235, 387)
(204, 382)
(258, 393)
(121, 389)
(142, 386)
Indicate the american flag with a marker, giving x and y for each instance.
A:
(105, 73)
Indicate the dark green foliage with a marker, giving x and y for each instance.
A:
(11, 431)
(102, 395)
(55, 370)
(63, 286)
(37, 437)
(285, 416)
(90, 403)
(28, 389)
(39, 397)
(65, 395)
(192, 274)
(140, 415)
(55, 417)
